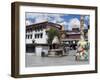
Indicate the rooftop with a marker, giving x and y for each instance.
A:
(43, 23)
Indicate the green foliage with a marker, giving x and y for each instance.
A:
(52, 32)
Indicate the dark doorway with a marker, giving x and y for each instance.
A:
(30, 48)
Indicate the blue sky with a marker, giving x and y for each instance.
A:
(67, 20)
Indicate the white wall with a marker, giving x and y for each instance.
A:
(42, 40)
(38, 50)
(5, 40)
(39, 40)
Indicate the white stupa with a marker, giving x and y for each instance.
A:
(55, 40)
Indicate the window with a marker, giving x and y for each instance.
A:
(41, 35)
(28, 36)
(35, 35)
(31, 36)
(41, 27)
(35, 29)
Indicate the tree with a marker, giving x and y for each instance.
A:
(52, 32)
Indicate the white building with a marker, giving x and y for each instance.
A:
(36, 37)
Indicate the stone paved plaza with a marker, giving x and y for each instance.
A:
(33, 61)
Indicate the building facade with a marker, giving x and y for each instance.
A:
(37, 36)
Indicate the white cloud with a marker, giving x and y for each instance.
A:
(28, 22)
(74, 23)
(64, 23)
(58, 18)
(54, 21)
(31, 15)
(85, 26)
(39, 17)
(86, 18)
(55, 18)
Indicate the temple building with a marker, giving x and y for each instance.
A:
(37, 36)
(72, 37)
